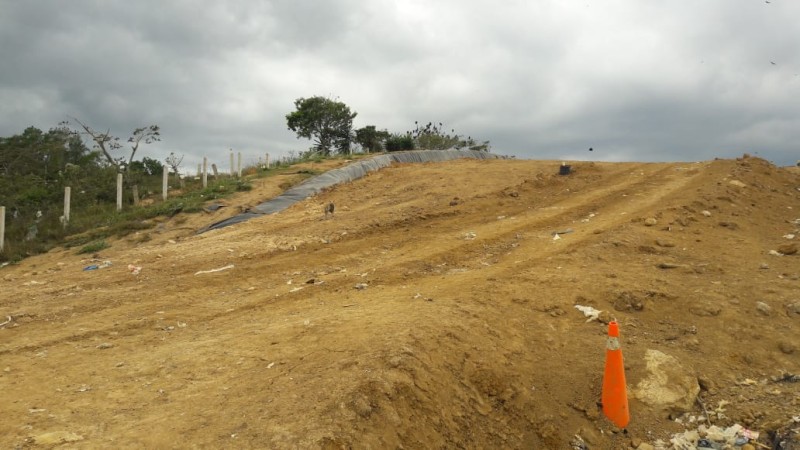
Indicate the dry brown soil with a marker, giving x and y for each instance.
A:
(434, 310)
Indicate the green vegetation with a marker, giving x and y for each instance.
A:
(434, 137)
(330, 124)
(36, 166)
(398, 142)
(370, 139)
(94, 247)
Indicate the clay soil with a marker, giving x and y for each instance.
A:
(435, 309)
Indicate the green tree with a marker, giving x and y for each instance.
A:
(370, 139)
(35, 166)
(328, 122)
(147, 166)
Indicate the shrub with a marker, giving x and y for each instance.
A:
(397, 142)
(94, 247)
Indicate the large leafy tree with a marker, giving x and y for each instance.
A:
(328, 122)
(44, 154)
(370, 139)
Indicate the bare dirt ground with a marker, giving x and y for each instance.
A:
(434, 310)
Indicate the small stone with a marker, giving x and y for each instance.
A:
(706, 213)
(706, 384)
(793, 309)
(362, 407)
(605, 317)
(763, 266)
(763, 308)
(664, 243)
(590, 436)
(650, 221)
(787, 347)
(645, 446)
(105, 345)
(361, 286)
(666, 265)
(57, 437)
(592, 413)
(737, 183)
(636, 442)
(705, 309)
(787, 249)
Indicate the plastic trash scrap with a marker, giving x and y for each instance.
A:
(588, 311)
(229, 266)
(714, 437)
(102, 265)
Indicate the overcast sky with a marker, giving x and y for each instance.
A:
(636, 80)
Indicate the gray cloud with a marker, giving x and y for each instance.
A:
(650, 81)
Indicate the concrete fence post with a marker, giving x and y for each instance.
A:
(67, 195)
(2, 228)
(239, 165)
(232, 172)
(165, 182)
(119, 192)
(205, 172)
(267, 160)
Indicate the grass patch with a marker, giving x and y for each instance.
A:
(94, 247)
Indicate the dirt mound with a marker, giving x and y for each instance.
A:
(435, 309)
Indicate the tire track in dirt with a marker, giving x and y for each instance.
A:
(657, 184)
(542, 222)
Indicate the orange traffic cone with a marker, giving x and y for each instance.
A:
(615, 394)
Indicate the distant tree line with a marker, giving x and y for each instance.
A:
(36, 166)
(329, 124)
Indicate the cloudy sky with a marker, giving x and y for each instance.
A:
(636, 80)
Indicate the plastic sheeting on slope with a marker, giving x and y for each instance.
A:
(351, 172)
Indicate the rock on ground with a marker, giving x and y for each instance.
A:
(668, 385)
